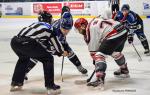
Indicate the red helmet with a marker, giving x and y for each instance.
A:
(79, 22)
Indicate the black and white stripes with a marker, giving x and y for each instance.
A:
(42, 32)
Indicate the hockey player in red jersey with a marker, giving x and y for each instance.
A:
(104, 37)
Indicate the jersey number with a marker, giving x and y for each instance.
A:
(104, 23)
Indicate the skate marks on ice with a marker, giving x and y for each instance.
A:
(137, 82)
(30, 91)
(138, 72)
(35, 85)
(57, 78)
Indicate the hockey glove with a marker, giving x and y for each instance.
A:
(130, 38)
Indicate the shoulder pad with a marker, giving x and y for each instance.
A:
(45, 24)
(56, 24)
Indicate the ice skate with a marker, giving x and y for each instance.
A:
(122, 73)
(54, 90)
(98, 83)
(16, 86)
(82, 70)
(147, 52)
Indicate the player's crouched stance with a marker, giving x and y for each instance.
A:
(104, 37)
(29, 45)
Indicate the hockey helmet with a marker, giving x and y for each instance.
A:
(66, 21)
(79, 22)
(125, 7)
(45, 17)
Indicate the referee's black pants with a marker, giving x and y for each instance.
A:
(27, 48)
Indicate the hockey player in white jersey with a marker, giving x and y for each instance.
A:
(104, 37)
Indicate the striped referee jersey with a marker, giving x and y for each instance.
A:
(43, 33)
(113, 2)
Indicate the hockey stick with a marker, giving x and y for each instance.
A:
(79, 82)
(139, 56)
(89, 79)
(62, 66)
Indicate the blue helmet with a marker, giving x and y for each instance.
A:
(66, 21)
(125, 7)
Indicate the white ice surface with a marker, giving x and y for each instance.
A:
(138, 84)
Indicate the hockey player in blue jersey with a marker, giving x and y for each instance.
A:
(135, 25)
(72, 56)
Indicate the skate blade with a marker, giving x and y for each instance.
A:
(15, 88)
(53, 92)
(122, 76)
(147, 54)
(85, 74)
(80, 82)
(99, 87)
(139, 60)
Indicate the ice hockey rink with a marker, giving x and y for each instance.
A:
(137, 84)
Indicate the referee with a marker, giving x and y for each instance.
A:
(114, 5)
(32, 42)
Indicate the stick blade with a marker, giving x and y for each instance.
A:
(139, 60)
(80, 82)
